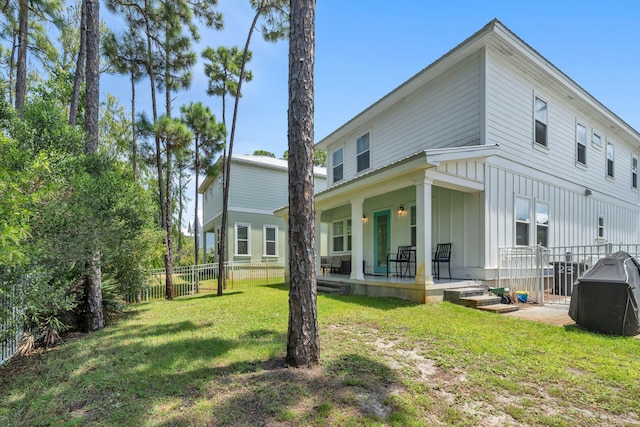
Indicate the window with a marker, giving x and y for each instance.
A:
(414, 234)
(610, 159)
(634, 172)
(363, 152)
(522, 222)
(243, 231)
(338, 236)
(540, 115)
(349, 235)
(596, 140)
(581, 144)
(337, 165)
(270, 240)
(601, 227)
(542, 224)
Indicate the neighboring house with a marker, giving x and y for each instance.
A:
(258, 185)
(490, 146)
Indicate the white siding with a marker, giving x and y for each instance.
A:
(445, 113)
(510, 95)
(257, 188)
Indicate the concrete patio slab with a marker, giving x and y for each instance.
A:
(551, 314)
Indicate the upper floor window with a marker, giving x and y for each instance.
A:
(596, 140)
(581, 144)
(523, 219)
(634, 172)
(542, 224)
(338, 165)
(610, 159)
(270, 247)
(243, 244)
(363, 152)
(540, 115)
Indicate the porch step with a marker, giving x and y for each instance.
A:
(332, 287)
(500, 308)
(457, 294)
(478, 301)
(479, 298)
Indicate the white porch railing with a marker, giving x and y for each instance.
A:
(548, 274)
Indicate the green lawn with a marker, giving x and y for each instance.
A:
(208, 360)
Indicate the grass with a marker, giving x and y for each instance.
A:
(207, 360)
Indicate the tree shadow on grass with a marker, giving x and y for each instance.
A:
(355, 385)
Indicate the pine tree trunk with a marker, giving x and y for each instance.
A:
(303, 346)
(93, 283)
(168, 220)
(196, 228)
(79, 77)
(21, 69)
(94, 318)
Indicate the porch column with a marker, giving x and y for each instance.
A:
(318, 235)
(357, 272)
(424, 275)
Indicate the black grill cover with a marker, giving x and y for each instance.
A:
(605, 299)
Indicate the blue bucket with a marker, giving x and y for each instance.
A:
(522, 296)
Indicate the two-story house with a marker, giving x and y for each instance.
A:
(258, 185)
(490, 146)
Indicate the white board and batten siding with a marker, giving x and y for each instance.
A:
(444, 113)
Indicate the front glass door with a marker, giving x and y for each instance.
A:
(382, 231)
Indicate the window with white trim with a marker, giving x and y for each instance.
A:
(634, 171)
(601, 227)
(610, 159)
(362, 147)
(542, 224)
(596, 140)
(338, 236)
(540, 121)
(243, 241)
(338, 165)
(270, 246)
(523, 219)
(348, 234)
(581, 144)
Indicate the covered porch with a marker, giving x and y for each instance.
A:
(433, 197)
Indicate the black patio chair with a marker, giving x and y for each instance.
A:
(442, 254)
(402, 258)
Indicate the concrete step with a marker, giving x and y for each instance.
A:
(327, 289)
(478, 301)
(455, 295)
(500, 308)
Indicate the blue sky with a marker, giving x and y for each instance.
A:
(366, 48)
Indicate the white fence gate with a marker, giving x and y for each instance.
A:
(548, 274)
(11, 329)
